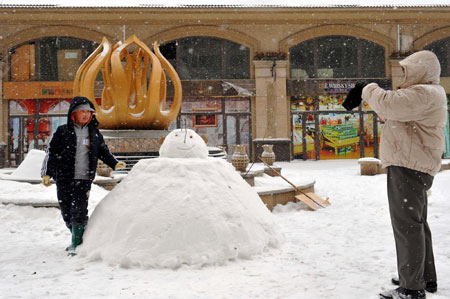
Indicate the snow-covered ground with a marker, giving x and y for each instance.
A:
(344, 251)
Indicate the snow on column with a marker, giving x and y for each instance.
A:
(182, 208)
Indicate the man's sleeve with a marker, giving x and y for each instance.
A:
(401, 105)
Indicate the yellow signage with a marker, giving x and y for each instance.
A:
(37, 90)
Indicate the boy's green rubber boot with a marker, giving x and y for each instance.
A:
(77, 238)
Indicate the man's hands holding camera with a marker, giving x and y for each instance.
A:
(354, 99)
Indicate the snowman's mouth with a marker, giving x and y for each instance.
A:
(185, 148)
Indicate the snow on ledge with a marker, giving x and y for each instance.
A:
(369, 160)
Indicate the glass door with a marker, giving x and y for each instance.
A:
(21, 138)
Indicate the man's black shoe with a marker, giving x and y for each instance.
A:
(431, 286)
(402, 293)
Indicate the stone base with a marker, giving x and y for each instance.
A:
(371, 166)
(445, 165)
(281, 148)
(134, 141)
(271, 172)
(249, 177)
(275, 197)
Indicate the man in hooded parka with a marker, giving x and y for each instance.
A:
(412, 144)
(71, 160)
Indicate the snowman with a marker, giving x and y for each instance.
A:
(182, 208)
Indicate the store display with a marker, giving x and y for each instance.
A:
(342, 138)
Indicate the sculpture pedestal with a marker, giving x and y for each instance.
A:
(130, 146)
(134, 141)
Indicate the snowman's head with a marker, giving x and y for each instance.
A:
(183, 143)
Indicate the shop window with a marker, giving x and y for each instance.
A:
(17, 108)
(207, 58)
(337, 57)
(59, 107)
(49, 59)
(23, 64)
(442, 50)
(195, 104)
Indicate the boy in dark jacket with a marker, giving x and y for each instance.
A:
(71, 160)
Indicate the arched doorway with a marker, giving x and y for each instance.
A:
(215, 74)
(39, 89)
(323, 70)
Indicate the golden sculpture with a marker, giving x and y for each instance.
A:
(130, 99)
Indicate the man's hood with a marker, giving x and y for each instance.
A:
(421, 68)
(77, 101)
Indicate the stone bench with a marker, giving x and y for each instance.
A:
(372, 166)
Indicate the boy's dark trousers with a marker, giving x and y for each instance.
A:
(407, 194)
(73, 200)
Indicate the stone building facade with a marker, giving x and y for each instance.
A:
(268, 85)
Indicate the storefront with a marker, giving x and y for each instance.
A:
(34, 117)
(323, 129)
(219, 109)
(215, 109)
(217, 89)
(291, 96)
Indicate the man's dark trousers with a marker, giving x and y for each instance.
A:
(407, 194)
(73, 200)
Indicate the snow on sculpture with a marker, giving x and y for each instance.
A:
(130, 100)
(182, 208)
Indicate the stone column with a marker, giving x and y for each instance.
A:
(3, 118)
(264, 84)
(396, 72)
(281, 113)
(272, 116)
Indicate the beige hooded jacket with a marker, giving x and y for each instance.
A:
(415, 115)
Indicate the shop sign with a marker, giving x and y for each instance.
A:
(221, 88)
(336, 87)
(37, 90)
(326, 87)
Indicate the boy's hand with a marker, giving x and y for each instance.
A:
(120, 165)
(46, 181)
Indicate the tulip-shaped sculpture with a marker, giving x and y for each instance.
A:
(130, 100)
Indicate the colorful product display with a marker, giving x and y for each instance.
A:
(342, 138)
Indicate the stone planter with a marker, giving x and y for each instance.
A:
(239, 159)
(268, 155)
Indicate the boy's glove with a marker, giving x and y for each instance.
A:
(120, 165)
(46, 181)
(354, 99)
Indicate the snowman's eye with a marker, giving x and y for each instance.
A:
(190, 136)
(176, 135)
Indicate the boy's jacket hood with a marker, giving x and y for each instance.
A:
(420, 68)
(77, 101)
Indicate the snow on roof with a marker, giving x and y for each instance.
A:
(222, 3)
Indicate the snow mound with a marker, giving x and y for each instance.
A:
(170, 212)
(30, 168)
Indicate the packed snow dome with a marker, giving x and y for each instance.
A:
(182, 208)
